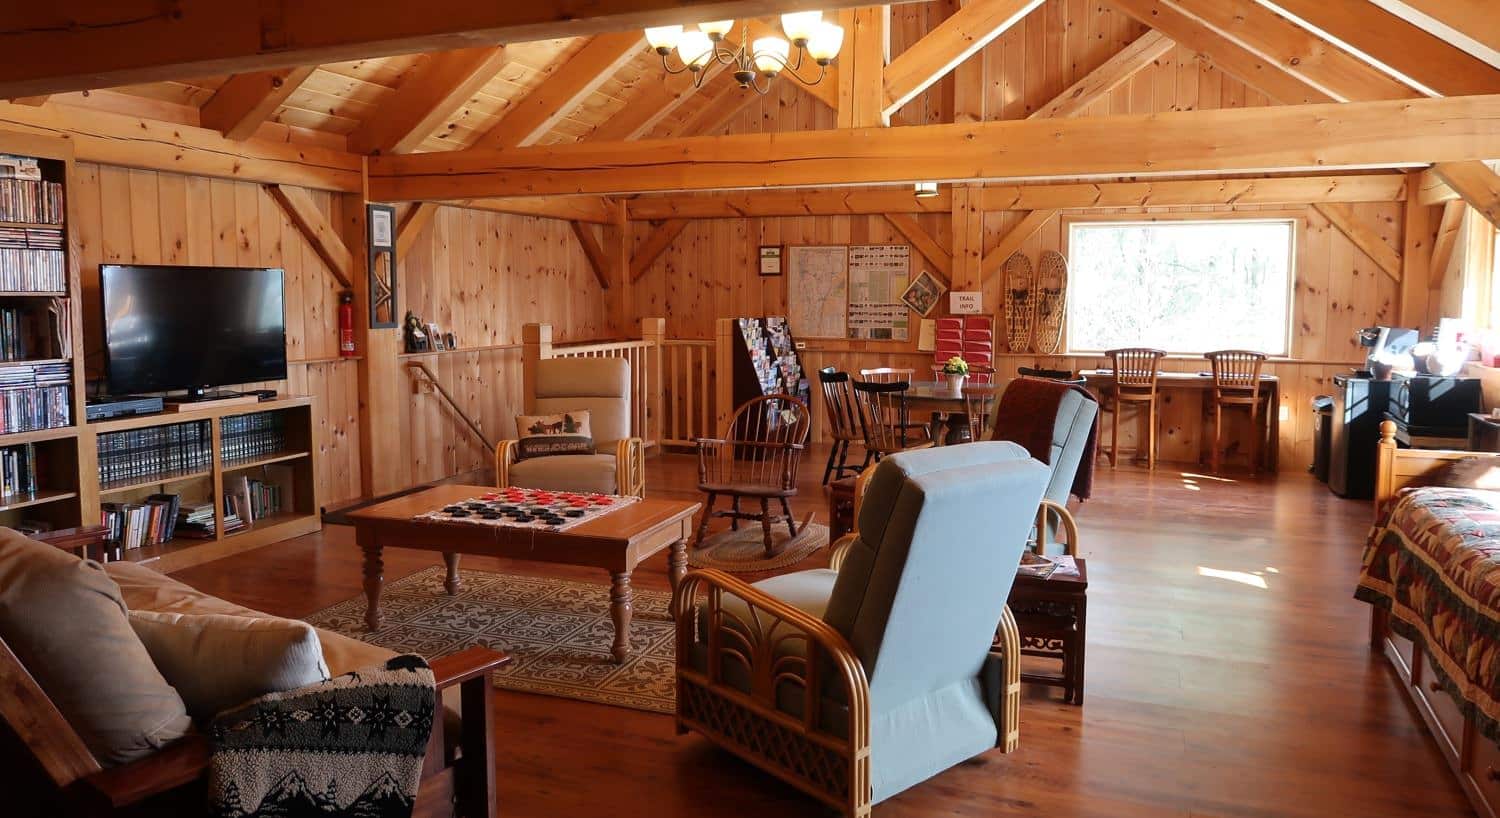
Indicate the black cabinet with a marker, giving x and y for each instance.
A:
(1359, 406)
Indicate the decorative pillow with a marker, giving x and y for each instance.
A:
(1465, 473)
(217, 662)
(564, 433)
(64, 619)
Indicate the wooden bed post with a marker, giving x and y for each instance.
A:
(1385, 464)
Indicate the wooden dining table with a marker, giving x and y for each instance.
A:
(944, 404)
(1103, 381)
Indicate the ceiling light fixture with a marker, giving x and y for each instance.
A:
(755, 64)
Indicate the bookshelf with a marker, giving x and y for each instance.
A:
(44, 479)
(281, 458)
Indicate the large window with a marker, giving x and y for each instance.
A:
(1181, 286)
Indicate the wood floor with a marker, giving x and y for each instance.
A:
(1228, 675)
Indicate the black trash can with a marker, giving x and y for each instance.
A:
(1322, 407)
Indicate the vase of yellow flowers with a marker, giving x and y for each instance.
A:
(956, 370)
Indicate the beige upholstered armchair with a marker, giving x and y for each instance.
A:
(601, 386)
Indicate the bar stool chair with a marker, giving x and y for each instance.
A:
(843, 421)
(1136, 369)
(1236, 383)
(979, 407)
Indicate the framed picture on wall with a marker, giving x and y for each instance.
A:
(923, 294)
(770, 260)
(382, 255)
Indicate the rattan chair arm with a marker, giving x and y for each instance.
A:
(1070, 526)
(840, 550)
(630, 467)
(505, 457)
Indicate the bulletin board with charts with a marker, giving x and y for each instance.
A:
(878, 274)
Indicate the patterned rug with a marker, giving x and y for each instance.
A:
(558, 631)
(744, 551)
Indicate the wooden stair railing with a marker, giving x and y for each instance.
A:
(418, 366)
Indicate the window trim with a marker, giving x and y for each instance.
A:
(1296, 260)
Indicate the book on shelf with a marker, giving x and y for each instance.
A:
(25, 196)
(133, 525)
(247, 437)
(196, 521)
(154, 453)
(35, 396)
(249, 499)
(27, 333)
(18, 470)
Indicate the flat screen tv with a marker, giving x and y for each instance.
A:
(171, 328)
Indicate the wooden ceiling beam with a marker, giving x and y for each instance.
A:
(1475, 19)
(655, 244)
(1364, 237)
(1114, 72)
(1385, 187)
(954, 40)
(1296, 50)
(1397, 133)
(86, 44)
(1475, 183)
(589, 209)
(1264, 75)
(862, 66)
(655, 101)
(1447, 239)
(561, 93)
(317, 230)
(426, 99)
(133, 142)
(939, 256)
(417, 217)
(598, 261)
(1012, 241)
(1401, 46)
(245, 101)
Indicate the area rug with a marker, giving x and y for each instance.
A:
(744, 551)
(558, 631)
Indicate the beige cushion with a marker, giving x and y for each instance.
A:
(66, 621)
(599, 385)
(147, 590)
(550, 435)
(567, 472)
(1464, 473)
(217, 662)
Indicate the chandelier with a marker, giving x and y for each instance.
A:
(755, 64)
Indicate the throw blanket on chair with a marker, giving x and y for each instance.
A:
(1027, 415)
(350, 746)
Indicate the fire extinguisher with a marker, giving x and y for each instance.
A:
(346, 325)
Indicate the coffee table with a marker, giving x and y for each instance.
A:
(616, 542)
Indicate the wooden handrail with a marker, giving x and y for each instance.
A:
(452, 404)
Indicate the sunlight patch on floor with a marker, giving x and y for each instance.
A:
(1254, 579)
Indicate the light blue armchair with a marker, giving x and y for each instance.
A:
(856, 684)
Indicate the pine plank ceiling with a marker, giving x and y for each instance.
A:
(336, 100)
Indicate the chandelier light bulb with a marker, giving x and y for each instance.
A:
(800, 25)
(695, 49)
(716, 29)
(664, 38)
(770, 54)
(826, 41)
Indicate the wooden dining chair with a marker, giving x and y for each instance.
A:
(912, 431)
(1135, 375)
(755, 459)
(881, 409)
(843, 421)
(979, 408)
(1236, 384)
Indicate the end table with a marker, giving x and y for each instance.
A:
(1052, 615)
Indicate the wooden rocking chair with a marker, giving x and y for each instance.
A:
(756, 458)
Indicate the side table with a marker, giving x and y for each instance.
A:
(841, 507)
(1052, 616)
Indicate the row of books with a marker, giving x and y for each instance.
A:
(29, 409)
(249, 499)
(31, 238)
(18, 470)
(246, 437)
(132, 525)
(197, 521)
(156, 452)
(27, 333)
(33, 271)
(31, 200)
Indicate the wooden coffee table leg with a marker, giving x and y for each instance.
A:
(374, 579)
(620, 599)
(677, 562)
(451, 583)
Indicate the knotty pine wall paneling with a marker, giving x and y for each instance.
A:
(147, 217)
(482, 276)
